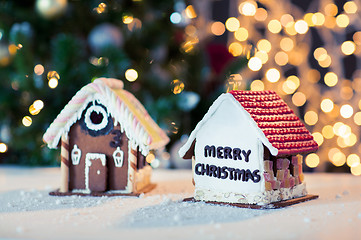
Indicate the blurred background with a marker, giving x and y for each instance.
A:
(176, 57)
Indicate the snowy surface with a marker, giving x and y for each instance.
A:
(28, 212)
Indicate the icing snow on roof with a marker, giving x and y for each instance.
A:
(126, 110)
(277, 121)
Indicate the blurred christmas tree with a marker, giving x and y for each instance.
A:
(49, 49)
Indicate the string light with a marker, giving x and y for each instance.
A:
(261, 14)
(175, 18)
(53, 83)
(285, 19)
(346, 111)
(342, 20)
(281, 58)
(262, 55)
(235, 49)
(248, 8)
(241, 34)
(350, 7)
(318, 19)
(326, 105)
(299, 99)
(3, 148)
(177, 86)
(331, 10)
(286, 44)
(348, 47)
(330, 79)
(264, 45)
(190, 12)
(27, 121)
(131, 75)
(218, 28)
(273, 75)
(301, 27)
(311, 117)
(317, 136)
(38, 69)
(312, 160)
(232, 24)
(254, 64)
(257, 85)
(328, 132)
(274, 26)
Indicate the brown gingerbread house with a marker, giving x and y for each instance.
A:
(247, 150)
(105, 135)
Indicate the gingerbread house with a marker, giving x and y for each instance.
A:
(105, 135)
(247, 149)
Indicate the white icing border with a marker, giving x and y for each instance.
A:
(90, 124)
(260, 198)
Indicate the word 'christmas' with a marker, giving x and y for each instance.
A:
(227, 172)
(226, 153)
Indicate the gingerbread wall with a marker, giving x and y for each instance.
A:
(116, 177)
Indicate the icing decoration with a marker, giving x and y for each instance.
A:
(121, 105)
(95, 120)
(118, 156)
(75, 155)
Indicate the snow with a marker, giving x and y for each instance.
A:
(28, 212)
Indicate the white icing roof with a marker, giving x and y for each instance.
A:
(226, 96)
(126, 110)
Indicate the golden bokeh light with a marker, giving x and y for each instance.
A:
(248, 8)
(290, 29)
(128, 19)
(190, 12)
(262, 55)
(254, 64)
(131, 75)
(291, 84)
(273, 75)
(257, 85)
(311, 118)
(235, 49)
(317, 136)
(330, 22)
(325, 63)
(338, 159)
(318, 19)
(320, 54)
(348, 47)
(53, 83)
(357, 118)
(177, 86)
(326, 105)
(357, 37)
(356, 170)
(346, 111)
(3, 148)
(39, 69)
(241, 34)
(327, 132)
(264, 45)
(299, 99)
(281, 58)
(261, 14)
(342, 20)
(308, 19)
(312, 160)
(53, 74)
(350, 7)
(346, 92)
(313, 76)
(274, 26)
(331, 10)
(287, 44)
(331, 79)
(301, 26)
(232, 24)
(353, 160)
(218, 28)
(27, 121)
(286, 18)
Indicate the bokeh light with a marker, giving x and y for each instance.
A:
(232, 24)
(131, 75)
(312, 160)
(27, 121)
(3, 148)
(177, 86)
(257, 85)
(346, 111)
(311, 117)
(348, 47)
(218, 28)
(273, 75)
(254, 64)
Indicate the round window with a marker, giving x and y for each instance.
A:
(95, 120)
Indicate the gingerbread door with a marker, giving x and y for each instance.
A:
(96, 172)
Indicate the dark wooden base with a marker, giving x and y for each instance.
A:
(148, 188)
(274, 205)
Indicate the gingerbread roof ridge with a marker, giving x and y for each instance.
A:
(127, 111)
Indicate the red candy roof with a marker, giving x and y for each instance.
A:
(277, 121)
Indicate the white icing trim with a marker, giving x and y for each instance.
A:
(90, 124)
(75, 155)
(217, 103)
(259, 198)
(118, 160)
(88, 163)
